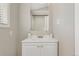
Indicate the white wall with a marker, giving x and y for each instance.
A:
(77, 29)
(8, 41)
(63, 28)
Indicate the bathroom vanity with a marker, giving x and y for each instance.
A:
(40, 41)
(40, 47)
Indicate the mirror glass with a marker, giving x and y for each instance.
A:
(40, 22)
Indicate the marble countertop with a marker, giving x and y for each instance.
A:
(40, 40)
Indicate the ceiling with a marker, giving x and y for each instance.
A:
(38, 6)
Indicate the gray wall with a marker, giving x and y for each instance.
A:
(63, 28)
(8, 36)
(24, 23)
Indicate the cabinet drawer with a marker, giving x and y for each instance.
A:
(34, 44)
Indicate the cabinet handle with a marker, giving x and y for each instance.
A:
(41, 46)
(38, 46)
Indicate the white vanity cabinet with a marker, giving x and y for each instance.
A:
(40, 48)
(49, 49)
(30, 50)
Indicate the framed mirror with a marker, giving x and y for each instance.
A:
(40, 18)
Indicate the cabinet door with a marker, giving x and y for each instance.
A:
(49, 50)
(30, 50)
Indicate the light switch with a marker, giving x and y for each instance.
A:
(58, 21)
